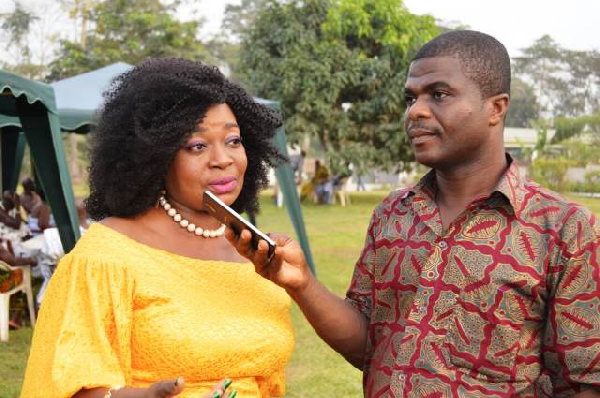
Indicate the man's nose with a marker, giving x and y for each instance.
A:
(419, 109)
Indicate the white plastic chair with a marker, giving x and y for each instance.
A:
(24, 286)
(342, 193)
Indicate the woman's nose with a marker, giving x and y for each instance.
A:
(219, 156)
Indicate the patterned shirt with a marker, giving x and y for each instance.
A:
(505, 303)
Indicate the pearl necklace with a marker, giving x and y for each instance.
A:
(199, 231)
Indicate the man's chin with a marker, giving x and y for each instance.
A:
(427, 158)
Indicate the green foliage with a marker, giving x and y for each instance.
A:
(591, 184)
(128, 31)
(592, 180)
(17, 24)
(551, 173)
(524, 105)
(338, 68)
(567, 127)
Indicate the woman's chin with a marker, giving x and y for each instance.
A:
(228, 197)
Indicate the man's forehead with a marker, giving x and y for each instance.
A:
(425, 71)
(438, 65)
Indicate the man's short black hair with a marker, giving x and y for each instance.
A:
(149, 114)
(482, 58)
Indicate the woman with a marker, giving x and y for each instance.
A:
(154, 291)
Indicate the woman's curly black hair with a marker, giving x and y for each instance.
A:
(149, 113)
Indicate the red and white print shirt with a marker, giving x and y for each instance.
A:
(505, 303)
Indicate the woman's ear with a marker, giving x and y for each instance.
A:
(499, 107)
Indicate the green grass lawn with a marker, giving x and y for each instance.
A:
(336, 235)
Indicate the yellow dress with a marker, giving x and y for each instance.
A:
(118, 312)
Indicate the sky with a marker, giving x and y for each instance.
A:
(573, 24)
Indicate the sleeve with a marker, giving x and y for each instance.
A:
(571, 346)
(82, 337)
(360, 292)
(276, 384)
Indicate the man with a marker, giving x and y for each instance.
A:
(29, 197)
(475, 282)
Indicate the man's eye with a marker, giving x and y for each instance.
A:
(409, 100)
(438, 95)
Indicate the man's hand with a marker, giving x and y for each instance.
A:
(286, 268)
(590, 393)
(342, 326)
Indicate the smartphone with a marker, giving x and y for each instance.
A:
(233, 220)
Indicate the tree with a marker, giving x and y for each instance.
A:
(127, 31)
(523, 104)
(240, 17)
(567, 82)
(237, 19)
(338, 67)
(16, 26)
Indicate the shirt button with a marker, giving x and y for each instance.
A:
(443, 245)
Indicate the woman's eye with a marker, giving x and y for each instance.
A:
(234, 141)
(196, 146)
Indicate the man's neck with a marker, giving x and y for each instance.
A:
(458, 186)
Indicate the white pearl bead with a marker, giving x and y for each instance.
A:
(199, 231)
(166, 206)
(172, 212)
(184, 223)
(177, 217)
(206, 233)
(191, 227)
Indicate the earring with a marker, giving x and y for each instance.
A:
(161, 194)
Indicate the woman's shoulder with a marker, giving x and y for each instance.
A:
(105, 244)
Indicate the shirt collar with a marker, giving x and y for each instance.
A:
(510, 185)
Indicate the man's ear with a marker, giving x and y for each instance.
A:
(499, 107)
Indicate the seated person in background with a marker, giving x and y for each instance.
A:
(322, 183)
(53, 250)
(153, 290)
(40, 218)
(29, 197)
(40, 215)
(12, 226)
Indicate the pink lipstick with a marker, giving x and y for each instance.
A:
(223, 185)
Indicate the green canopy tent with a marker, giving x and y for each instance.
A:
(79, 97)
(32, 104)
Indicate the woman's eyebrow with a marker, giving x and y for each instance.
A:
(200, 129)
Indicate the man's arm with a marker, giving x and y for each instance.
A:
(337, 322)
(591, 393)
(571, 344)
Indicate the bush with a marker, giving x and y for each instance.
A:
(551, 173)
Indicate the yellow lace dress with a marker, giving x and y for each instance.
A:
(118, 312)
